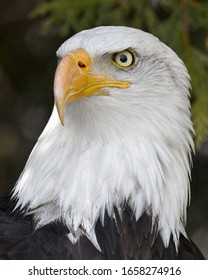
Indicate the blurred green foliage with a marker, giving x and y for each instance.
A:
(181, 24)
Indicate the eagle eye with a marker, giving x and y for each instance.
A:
(124, 59)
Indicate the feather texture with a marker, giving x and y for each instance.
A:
(132, 146)
(119, 238)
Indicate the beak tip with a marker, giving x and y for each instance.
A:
(60, 111)
(62, 122)
(61, 117)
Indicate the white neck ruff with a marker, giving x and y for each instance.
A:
(107, 154)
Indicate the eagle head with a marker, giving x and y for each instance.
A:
(120, 133)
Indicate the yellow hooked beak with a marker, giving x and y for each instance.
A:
(74, 80)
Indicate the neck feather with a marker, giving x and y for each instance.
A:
(107, 155)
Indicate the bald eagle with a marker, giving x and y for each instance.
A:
(109, 176)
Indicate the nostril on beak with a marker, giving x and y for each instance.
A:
(81, 64)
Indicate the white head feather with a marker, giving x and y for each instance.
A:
(132, 145)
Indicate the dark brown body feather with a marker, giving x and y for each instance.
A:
(124, 239)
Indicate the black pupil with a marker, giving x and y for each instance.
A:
(123, 58)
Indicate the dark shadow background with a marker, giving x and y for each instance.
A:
(27, 66)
